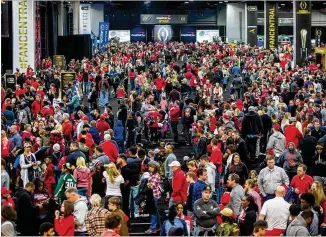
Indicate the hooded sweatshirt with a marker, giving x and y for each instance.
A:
(81, 175)
(211, 173)
(118, 131)
(297, 227)
(80, 211)
(290, 160)
(276, 143)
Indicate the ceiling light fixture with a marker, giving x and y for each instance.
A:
(282, 4)
(186, 2)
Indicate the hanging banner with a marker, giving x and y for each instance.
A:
(318, 36)
(103, 33)
(85, 19)
(302, 31)
(163, 19)
(271, 25)
(138, 34)
(206, 35)
(188, 34)
(4, 20)
(252, 25)
(11, 81)
(23, 28)
(162, 33)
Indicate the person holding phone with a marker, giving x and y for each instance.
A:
(64, 224)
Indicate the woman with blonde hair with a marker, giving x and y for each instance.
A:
(81, 174)
(286, 120)
(320, 199)
(250, 189)
(113, 181)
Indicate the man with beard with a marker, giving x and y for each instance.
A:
(240, 144)
(290, 160)
(205, 210)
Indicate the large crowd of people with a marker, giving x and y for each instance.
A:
(91, 157)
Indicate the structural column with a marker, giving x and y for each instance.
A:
(76, 14)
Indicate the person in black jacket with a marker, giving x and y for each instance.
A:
(252, 130)
(134, 163)
(241, 146)
(28, 215)
(201, 148)
(267, 123)
(74, 154)
(307, 147)
(248, 216)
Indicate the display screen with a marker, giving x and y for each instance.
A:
(123, 35)
(162, 33)
(188, 34)
(207, 35)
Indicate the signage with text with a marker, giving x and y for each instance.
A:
(103, 33)
(252, 25)
(11, 81)
(122, 35)
(271, 25)
(163, 19)
(207, 35)
(188, 34)
(138, 34)
(85, 19)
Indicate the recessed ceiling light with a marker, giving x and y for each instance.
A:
(324, 3)
(186, 2)
(225, 1)
(220, 2)
(282, 4)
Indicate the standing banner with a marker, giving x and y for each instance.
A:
(162, 33)
(271, 25)
(138, 34)
(318, 36)
(252, 25)
(66, 78)
(103, 33)
(85, 19)
(188, 34)
(11, 81)
(302, 30)
(23, 28)
(59, 62)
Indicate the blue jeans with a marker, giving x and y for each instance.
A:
(83, 192)
(132, 85)
(134, 209)
(155, 217)
(86, 85)
(104, 98)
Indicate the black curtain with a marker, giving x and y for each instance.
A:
(6, 44)
(52, 27)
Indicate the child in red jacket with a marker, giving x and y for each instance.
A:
(6, 199)
(49, 179)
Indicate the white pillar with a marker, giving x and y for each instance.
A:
(61, 14)
(76, 11)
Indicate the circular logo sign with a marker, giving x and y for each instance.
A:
(201, 33)
(303, 5)
(163, 34)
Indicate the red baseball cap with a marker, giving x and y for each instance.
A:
(4, 190)
(276, 126)
(85, 118)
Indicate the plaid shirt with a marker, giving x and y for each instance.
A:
(95, 221)
(155, 180)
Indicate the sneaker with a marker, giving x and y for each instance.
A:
(149, 232)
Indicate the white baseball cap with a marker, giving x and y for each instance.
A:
(175, 163)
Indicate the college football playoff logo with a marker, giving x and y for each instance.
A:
(303, 5)
(146, 18)
(163, 34)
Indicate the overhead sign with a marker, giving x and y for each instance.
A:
(23, 27)
(252, 25)
(103, 33)
(271, 24)
(138, 34)
(206, 35)
(85, 19)
(188, 34)
(163, 19)
(122, 35)
(162, 33)
(252, 8)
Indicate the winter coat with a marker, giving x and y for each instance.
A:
(247, 225)
(81, 175)
(80, 211)
(95, 135)
(27, 213)
(134, 163)
(179, 187)
(252, 125)
(308, 148)
(119, 131)
(198, 187)
(26, 167)
(289, 160)
(276, 143)
(111, 150)
(242, 171)
(297, 227)
(319, 165)
(72, 157)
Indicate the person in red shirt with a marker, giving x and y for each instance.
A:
(29, 71)
(292, 133)
(5, 146)
(88, 138)
(19, 91)
(109, 148)
(121, 93)
(65, 225)
(301, 182)
(179, 184)
(174, 113)
(49, 179)
(102, 126)
(36, 105)
(216, 157)
(6, 199)
(160, 83)
(66, 127)
(152, 120)
(132, 75)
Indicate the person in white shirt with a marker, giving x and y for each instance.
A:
(276, 212)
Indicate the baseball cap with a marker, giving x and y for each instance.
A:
(276, 126)
(226, 116)
(175, 163)
(227, 212)
(4, 190)
(85, 118)
(207, 188)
